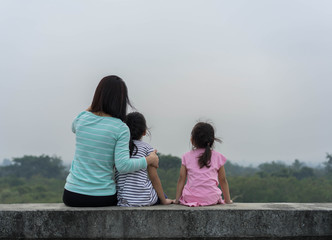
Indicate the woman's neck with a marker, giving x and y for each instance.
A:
(100, 113)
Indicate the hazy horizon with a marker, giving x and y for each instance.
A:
(259, 70)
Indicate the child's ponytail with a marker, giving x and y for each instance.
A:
(132, 147)
(202, 136)
(137, 126)
(205, 158)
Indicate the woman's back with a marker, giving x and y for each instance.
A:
(92, 167)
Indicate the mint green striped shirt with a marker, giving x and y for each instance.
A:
(101, 144)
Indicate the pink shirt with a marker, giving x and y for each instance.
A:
(201, 188)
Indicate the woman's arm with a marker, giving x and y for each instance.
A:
(181, 182)
(156, 183)
(224, 185)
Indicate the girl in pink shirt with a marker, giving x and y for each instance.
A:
(204, 170)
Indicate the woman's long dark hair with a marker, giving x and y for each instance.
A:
(111, 97)
(137, 126)
(202, 136)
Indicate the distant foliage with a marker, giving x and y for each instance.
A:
(278, 182)
(36, 189)
(28, 166)
(36, 179)
(169, 162)
(280, 189)
(278, 169)
(328, 164)
(32, 179)
(234, 169)
(168, 171)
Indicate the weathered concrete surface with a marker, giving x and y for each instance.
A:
(236, 221)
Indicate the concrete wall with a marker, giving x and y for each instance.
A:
(236, 221)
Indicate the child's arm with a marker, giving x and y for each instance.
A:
(224, 185)
(156, 183)
(181, 182)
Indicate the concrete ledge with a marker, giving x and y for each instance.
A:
(236, 221)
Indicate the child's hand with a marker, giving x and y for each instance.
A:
(168, 201)
(229, 202)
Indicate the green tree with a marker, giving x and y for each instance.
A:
(168, 172)
(297, 165)
(233, 169)
(277, 169)
(28, 166)
(36, 189)
(169, 161)
(328, 164)
(304, 172)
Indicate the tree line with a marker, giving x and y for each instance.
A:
(37, 179)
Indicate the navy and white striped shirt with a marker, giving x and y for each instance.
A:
(135, 189)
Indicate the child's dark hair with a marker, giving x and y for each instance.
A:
(137, 126)
(202, 136)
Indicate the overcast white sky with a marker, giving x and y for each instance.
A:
(259, 70)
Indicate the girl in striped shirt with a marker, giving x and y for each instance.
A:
(142, 187)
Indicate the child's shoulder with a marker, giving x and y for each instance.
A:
(142, 144)
(190, 153)
(193, 154)
(219, 156)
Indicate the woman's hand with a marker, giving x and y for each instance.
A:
(153, 159)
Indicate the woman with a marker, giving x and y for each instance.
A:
(102, 140)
